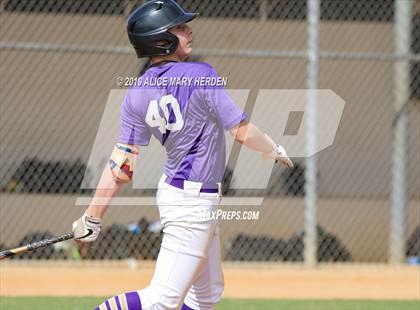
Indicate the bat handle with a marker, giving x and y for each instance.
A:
(46, 242)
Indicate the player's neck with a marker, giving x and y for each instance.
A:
(173, 57)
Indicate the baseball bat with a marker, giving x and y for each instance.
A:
(35, 245)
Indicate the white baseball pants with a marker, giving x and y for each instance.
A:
(189, 262)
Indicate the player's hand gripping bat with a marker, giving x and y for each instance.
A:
(35, 245)
(278, 154)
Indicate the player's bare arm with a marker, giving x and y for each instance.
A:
(117, 172)
(252, 137)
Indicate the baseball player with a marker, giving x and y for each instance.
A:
(189, 117)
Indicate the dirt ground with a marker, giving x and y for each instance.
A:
(242, 280)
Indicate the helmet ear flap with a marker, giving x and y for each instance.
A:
(151, 47)
(173, 44)
(170, 45)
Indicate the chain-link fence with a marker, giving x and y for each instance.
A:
(60, 59)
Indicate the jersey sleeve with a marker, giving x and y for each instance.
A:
(133, 129)
(221, 106)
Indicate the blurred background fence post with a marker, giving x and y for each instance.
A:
(402, 97)
(310, 240)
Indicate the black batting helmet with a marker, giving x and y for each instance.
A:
(149, 24)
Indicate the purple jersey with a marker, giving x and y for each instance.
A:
(185, 106)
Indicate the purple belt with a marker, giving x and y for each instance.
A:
(211, 188)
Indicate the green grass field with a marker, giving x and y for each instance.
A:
(82, 303)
